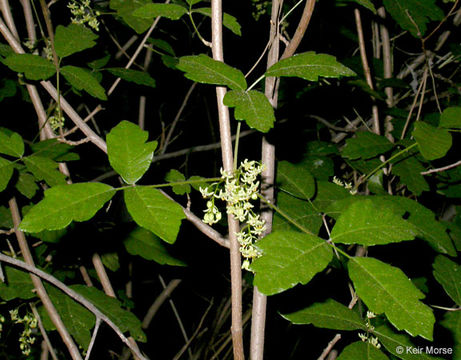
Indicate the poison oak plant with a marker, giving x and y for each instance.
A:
(355, 189)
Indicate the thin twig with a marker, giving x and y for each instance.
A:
(448, 167)
(74, 295)
(93, 338)
(43, 332)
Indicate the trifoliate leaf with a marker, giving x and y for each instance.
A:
(386, 289)
(329, 315)
(253, 107)
(150, 247)
(34, 67)
(73, 38)
(11, 143)
(363, 351)
(125, 9)
(176, 176)
(366, 145)
(289, 258)
(368, 223)
(154, 211)
(128, 152)
(309, 66)
(433, 142)
(66, 203)
(413, 15)
(203, 69)
(45, 169)
(138, 77)
(18, 285)
(82, 79)
(448, 274)
(451, 118)
(228, 21)
(6, 172)
(111, 307)
(296, 180)
(151, 11)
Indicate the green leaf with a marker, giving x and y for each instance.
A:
(368, 223)
(193, 2)
(399, 344)
(289, 258)
(6, 172)
(413, 15)
(18, 285)
(329, 315)
(154, 211)
(34, 67)
(128, 152)
(8, 88)
(452, 322)
(409, 170)
(321, 167)
(162, 45)
(11, 143)
(386, 289)
(295, 180)
(366, 145)
(228, 21)
(73, 38)
(52, 236)
(82, 79)
(111, 307)
(176, 176)
(198, 182)
(424, 220)
(328, 193)
(203, 69)
(125, 9)
(26, 185)
(66, 203)
(6, 221)
(99, 63)
(110, 261)
(363, 351)
(448, 274)
(55, 150)
(309, 66)
(301, 211)
(135, 76)
(433, 142)
(151, 11)
(365, 3)
(149, 246)
(253, 107)
(45, 169)
(78, 320)
(451, 118)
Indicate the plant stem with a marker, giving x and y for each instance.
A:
(226, 140)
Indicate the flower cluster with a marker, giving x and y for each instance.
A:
(83, 13)
(27, 338)
(346, 185)
(237, 189)
(366, 337)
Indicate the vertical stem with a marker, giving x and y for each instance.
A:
(366, 67)
(227, 158)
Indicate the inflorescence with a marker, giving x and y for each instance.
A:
(237, 189)
(84, 14)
